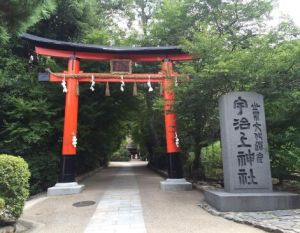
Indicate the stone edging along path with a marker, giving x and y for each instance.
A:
(8, 229)
(279, 221)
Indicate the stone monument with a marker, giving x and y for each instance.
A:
(246, 162)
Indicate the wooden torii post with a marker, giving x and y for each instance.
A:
(121, 59)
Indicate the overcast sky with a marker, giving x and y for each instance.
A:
(289, 7)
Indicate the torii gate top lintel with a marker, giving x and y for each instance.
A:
(62, 49)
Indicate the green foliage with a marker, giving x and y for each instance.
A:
(212, 161)
(120, 155)
(28, 126)
(2, 204)
(237, 56)
(171, 24)
(14, 175)
(103, 123)
(4, 36)
(25, 112)
(32, 112)
(16, 16)
(43, 169)
(69, 22)
(234, 52)
(148, 130)
(285, 153)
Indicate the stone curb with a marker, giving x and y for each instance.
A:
(231, 216)
(24, 225)
(38, 195)
(162, 173)
(88, 174)
(8, 229)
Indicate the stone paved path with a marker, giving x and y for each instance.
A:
(127, 198)
(120, 209)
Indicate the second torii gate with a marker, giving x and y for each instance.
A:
(121, 60)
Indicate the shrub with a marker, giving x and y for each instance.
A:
(121, 155)
(1, 203)
(212, 161)
(14, 186)
(43, 169)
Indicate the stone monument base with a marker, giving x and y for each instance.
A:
(175, 185)
(65, 189)
(246, 202)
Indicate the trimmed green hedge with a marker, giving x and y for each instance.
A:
(14, 187)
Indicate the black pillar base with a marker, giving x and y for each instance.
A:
(174, 166)
(67, 168)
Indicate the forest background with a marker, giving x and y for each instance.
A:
(237, 50)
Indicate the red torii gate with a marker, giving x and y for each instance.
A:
(120, 58)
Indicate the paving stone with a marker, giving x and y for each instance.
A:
(259, 215)
(280, 213)
(287, 218)
(285, 225)
(120, 209)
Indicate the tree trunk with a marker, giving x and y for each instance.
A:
(152, 127)
(153, 141)
(198, 168)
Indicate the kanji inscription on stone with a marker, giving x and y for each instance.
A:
(246, 162)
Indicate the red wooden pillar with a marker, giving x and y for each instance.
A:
(173, 149)
(68, 158)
